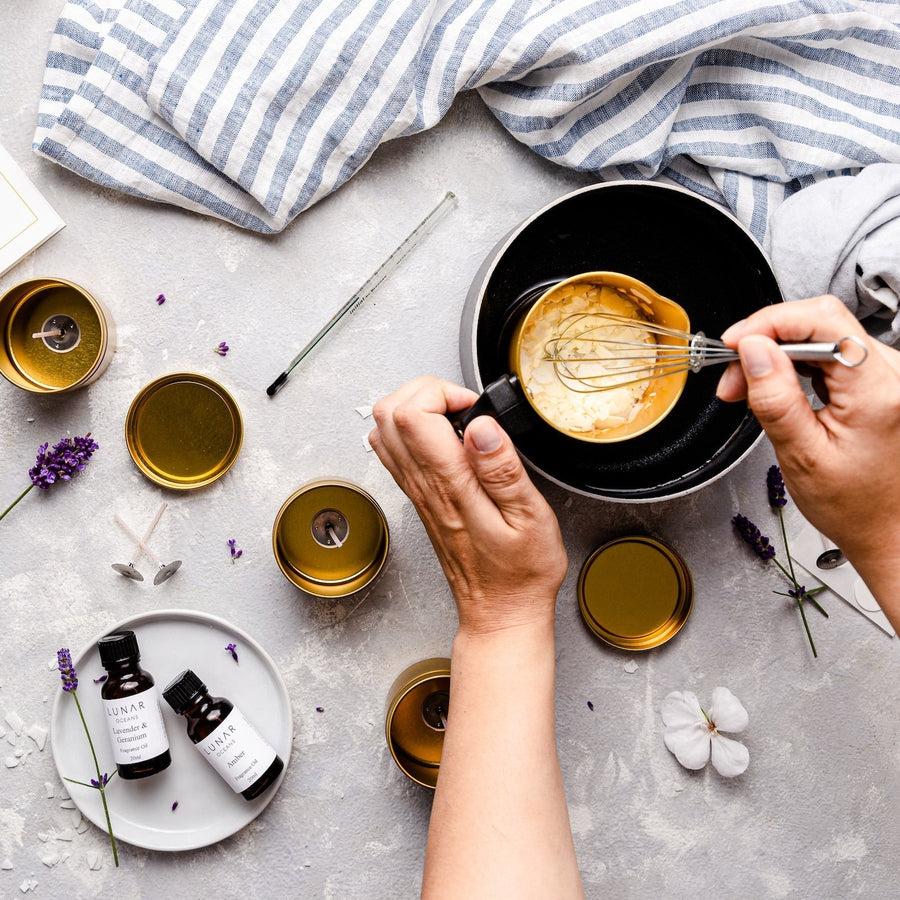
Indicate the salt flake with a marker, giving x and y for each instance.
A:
(15, 721)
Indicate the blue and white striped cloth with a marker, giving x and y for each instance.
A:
(252, 110)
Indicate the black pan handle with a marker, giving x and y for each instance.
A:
(503, 400)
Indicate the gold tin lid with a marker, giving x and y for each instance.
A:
(184, 431)
(330, 538)
(417, 707)
(56, 336)
(635, 592)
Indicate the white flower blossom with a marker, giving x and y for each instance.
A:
(693, 734)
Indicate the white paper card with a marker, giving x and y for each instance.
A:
(26, 218)
(806, 544)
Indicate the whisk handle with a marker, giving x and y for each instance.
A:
(503, 400)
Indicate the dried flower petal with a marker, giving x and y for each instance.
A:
(174, 806)
(590, 706)
(232, 649)
(320, 709)
(161, 299)
(67, 669)
(775, 487)
(101, 679)
(221, 348)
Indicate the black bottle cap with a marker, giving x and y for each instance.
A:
(121, 646)
(182, 689)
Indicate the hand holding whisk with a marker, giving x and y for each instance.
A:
(603, 351)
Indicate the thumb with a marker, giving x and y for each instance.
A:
(498, 468)
(774, 392)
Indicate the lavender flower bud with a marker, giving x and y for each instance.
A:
(67, 669)
(752, 535)
(775, 486)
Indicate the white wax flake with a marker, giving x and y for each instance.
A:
(43, 836)
(94, 860)
(67, 804)
(366, 443)
(568, 502)
(38, 734)
(66, 835)
(31, 418)
(10, 762)
(19, 754)
(50, 860)
(11, 738)
(63, 794)
(52, 663)
(29, 884)
(15, 721)
(630, 667)
(2, 732)
(49, 790)
(81, 827)
(6, 865)
(364, 411)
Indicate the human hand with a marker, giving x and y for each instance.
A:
(495, 536)
(837, 461)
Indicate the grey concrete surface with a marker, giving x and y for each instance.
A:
(815, 815)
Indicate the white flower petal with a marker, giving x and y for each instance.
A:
(690, 744)
(681, 708)
(729, 758)
(727, 712)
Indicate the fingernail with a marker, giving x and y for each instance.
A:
(485, 434)
(756, 357)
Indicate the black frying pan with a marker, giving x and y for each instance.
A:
(685, 248)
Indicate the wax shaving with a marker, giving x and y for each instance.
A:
(39, 735)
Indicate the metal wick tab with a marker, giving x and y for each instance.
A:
(164, 571)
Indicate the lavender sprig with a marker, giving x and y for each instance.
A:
(70, 685)
(765, 550)
(235, 553)
(67, 458)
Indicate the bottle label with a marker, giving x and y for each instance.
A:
(136, 727)
(237, 751)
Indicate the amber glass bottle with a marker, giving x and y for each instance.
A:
(131, 704)
(230, 744)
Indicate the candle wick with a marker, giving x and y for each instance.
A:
(58, 332)
(330, 529)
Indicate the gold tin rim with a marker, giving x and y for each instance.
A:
(655, 634)
(12, 301)
(434, 668)
(144, 462)
(332, 589)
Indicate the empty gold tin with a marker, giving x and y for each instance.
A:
(184, 431)
(330, 538)
(417, 708)
(635, 592)
(56, 336)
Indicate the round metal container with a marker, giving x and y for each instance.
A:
(330, 538)
(76, 355)
(635, 592)
(417, 707)
(184, 431)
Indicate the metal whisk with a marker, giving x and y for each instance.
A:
(590, 353)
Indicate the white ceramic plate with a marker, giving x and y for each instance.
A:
(141, 810)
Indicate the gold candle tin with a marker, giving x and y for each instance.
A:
(79, 341)
(330, 538)
(417, 707)
(184, 431)
(635, 592)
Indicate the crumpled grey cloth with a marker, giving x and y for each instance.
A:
(841, 236)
